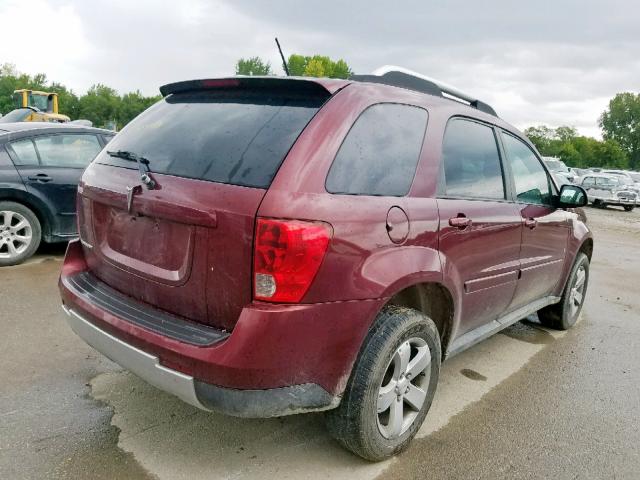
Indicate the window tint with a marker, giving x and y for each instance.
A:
(67, 150)
(230, 136)
(471, 161)
(588, 182)
(25, 153)
(380, 153)
(531, 181)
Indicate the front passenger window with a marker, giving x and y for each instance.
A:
(531, 180)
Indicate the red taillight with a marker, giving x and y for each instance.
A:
(286, 258)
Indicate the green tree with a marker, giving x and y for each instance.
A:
(68, 102)
(544, 138)
(297, 65)
(621, 122)
(253, 66)
(131, 105)
(101, 105)
(11, 79)
(317, 66)
(565, 134)
(341, 69)
(575, 150)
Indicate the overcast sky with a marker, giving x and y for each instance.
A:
(536, 62)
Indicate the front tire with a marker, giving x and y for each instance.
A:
(629, 208)
(391, 387)
(563, 315)
(20, 233)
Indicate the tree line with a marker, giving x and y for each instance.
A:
(619, 148)
(101, 104)
(298, 66)
(620, 122)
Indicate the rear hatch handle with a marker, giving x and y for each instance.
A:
(152, 207)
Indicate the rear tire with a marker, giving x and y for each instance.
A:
(20, 233)
(629, 208)
(391, 387)
(563, 315)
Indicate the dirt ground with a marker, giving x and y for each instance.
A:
(526, 403)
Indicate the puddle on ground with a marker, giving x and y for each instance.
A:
(473, 375)
(528, 331)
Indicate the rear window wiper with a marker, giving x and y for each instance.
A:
(143, 165)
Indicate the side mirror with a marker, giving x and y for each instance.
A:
(572, 196)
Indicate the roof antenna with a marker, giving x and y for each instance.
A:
(284, 63)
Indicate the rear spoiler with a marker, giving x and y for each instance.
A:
(318, 86)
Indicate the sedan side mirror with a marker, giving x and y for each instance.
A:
(572, 196)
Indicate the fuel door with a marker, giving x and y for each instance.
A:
(397, 224)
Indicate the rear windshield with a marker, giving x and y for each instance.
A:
(234, 136)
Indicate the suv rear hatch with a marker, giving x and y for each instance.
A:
(213, 148)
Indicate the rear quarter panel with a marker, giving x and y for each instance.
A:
(361, 262)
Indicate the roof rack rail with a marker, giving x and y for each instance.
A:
(405, 78)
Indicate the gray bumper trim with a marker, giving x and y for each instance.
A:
(240, 403)
(141, 363)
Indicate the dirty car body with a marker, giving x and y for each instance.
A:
(250, 279)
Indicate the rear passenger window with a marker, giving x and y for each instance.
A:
(380, 153)
(24, 152)
(471, 161)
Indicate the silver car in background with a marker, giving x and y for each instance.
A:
(608, 189)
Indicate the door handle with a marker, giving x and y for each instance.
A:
(530, 223)
(460, 222)
(40, 177)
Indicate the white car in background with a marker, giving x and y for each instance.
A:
(626, 178)
(607, 189)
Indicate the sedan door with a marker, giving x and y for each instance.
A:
(545, 229)
(51, 167)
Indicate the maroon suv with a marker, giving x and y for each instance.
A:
(268, 246)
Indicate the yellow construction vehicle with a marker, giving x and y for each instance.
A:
(35, 106)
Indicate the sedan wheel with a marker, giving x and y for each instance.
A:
(16, 235)
(20, 233)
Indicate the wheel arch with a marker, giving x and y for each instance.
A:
(432, 299)
(587, 247)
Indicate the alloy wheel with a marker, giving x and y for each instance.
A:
(403, 390)
(576, 296)
(16, 234)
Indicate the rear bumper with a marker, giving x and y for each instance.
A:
(242, 403)
(278, 360)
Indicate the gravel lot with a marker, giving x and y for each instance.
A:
(527, 403)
